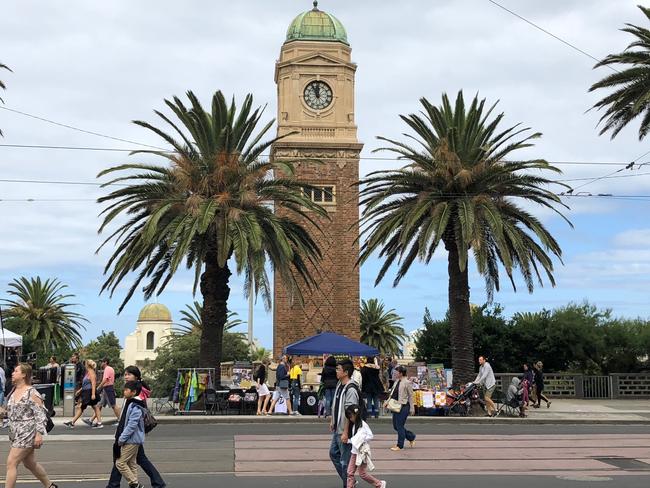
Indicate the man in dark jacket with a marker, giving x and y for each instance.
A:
(281, 385)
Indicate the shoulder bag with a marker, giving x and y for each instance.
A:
(392, 404)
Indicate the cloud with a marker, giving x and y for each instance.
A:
(638, 238)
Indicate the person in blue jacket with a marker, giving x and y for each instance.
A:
(130, 435)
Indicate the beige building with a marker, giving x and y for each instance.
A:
(152, 329)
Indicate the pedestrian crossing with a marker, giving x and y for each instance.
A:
(559, 455)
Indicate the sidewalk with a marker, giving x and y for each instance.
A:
(562, 411)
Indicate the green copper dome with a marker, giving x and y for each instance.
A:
(316, 25)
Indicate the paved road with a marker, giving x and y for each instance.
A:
(256, 455)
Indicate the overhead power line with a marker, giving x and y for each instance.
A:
(98, 184)
(640, 198)
(549, 33)
(365, 158)
(98, 134)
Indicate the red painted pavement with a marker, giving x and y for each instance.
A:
(557, 455)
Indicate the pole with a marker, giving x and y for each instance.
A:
(250, 318)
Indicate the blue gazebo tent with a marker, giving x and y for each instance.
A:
(329, 343)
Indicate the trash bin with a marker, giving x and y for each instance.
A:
(47, 392)
(308, 403)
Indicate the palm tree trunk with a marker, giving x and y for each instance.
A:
(215, 291)
(462, 347)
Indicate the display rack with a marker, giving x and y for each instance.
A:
(191, 385)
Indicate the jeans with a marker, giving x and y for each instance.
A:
(399, 422)
(295, 396)
(329, 399)
(372, 404)
(340, 455)
(146, 465)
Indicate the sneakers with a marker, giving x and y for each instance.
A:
(383, 484)
(88, 422)
(137, 485)
(69, 425)
(412, 443)
(548, 405)
(395, 448)
(97, 426)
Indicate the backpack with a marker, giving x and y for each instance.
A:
(150, 421)
(363, 410)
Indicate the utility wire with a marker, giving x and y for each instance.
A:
(365, 158)
(558, 38)
(43, 119)
(641, 198)
(93, 183)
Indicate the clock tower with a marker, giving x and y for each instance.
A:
(315, 87)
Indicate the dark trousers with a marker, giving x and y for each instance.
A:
(146, 465)
(372, 404)
(399, 423)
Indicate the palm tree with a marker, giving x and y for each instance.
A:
(631, 97)
(2, 85)
(381, 329)
(192, 318)
(260, 354)
(458, 190)
(41, 308)
(210, 205)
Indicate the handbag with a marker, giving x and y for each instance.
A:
(392, 404)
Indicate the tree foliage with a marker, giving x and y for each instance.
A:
(574, 338)
(191, 316)
(42, 314)
(208, 205)
(459, 190)
(380, 328)
(106, 345)
(2, 85)
(630, 83)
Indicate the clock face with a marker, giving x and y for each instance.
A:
(318, 95)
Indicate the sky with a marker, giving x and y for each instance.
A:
(99, 65)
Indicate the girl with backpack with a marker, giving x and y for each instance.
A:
(359, 435)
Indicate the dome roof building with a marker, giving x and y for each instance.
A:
(155, 312)
(316, 25)
(152, 330)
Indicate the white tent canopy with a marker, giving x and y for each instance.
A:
(10, 339)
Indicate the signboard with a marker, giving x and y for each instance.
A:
(437, 376)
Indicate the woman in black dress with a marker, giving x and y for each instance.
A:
(539, 385)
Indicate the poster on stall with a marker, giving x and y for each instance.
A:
(423, 376)
(437, 377)
(242, 377)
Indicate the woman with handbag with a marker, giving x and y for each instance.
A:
(89, 397)
(281, 386)
(401, 403)
(27, 427)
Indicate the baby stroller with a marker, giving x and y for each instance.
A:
(513, 402)
(460, 402)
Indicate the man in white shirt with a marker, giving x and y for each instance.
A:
(485, 378)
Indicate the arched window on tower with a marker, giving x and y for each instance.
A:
(150, 341)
